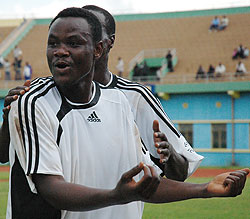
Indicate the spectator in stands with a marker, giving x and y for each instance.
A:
(246, 52)
(145, 69)
(215, 24)
(17, 69)
(27, 71)
(7, 69)
(120, 66)
(220, 70)
(235, 53)
(17, 62)
(241, 51)
(138, 72)
(200, 73)
(18, 56)
(1, 65)
(169, 57)
(210, 72)
(1, 62)
(240, 69)
(224, 23)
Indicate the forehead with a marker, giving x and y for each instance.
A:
(69, 25)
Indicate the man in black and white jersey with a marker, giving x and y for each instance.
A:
(67, 152)
(175, 156)
(178, 156)
(66, 166)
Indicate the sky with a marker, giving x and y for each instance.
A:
(50, 8)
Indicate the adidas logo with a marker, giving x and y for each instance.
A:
(93, 118)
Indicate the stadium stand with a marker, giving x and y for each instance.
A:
(186, 32)
(5, 31)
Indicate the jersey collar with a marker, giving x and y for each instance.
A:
(93, 101)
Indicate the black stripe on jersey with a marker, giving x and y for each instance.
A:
(33, 117)
(20, 121)
(64, 109)
(19, 106)
(122, 84)
(31, 92)
(40, 80)
(59, 134)
(144, 148)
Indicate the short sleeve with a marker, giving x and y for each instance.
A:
(32, 137)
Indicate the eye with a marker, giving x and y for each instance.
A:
(52, 44)
(73, 44)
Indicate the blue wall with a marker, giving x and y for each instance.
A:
(1, 110)
(200, 106)
(208, 107)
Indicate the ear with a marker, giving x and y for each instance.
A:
(112, 40)
(98, 50)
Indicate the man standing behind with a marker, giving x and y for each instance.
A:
(175, 157)
(120, 66)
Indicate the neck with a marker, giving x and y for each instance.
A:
(102, 74)
(80, 92)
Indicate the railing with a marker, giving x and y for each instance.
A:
(15, 36)
(173, 78)
(150, 53)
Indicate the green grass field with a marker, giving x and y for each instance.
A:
(215, 208)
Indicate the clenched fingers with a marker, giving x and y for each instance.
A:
(149, 182)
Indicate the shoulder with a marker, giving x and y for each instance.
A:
(39, 87)
(127, 85)
(134, 90)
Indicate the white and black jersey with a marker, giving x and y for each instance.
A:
(147, 108)
(90, 144)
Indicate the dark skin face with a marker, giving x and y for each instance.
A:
(102, 74)
(70, 55)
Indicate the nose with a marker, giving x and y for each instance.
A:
(61, 51)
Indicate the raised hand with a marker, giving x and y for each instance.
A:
(13, 95)
(164, 148)
(228, 184)
(128, 189)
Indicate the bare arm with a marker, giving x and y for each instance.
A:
(68, 196)
(4, 131)
(228, 184)
(175, 165)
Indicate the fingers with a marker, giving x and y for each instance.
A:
(133, 172)
(27, 83)
(15, 92)
(246, 170)
(148, 183)
(165, 150)
(156, 126)
(235, 182)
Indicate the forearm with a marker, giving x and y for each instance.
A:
(74, 197)
(4, 142)
(176, 167)
(170, 191)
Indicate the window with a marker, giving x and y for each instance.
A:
(219, 136)
(187, 131)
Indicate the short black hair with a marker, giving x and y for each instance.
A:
(93, 21)
(109, 19)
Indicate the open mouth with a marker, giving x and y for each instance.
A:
(62, 65)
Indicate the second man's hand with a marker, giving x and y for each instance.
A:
(13, 95)
(175, 166)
